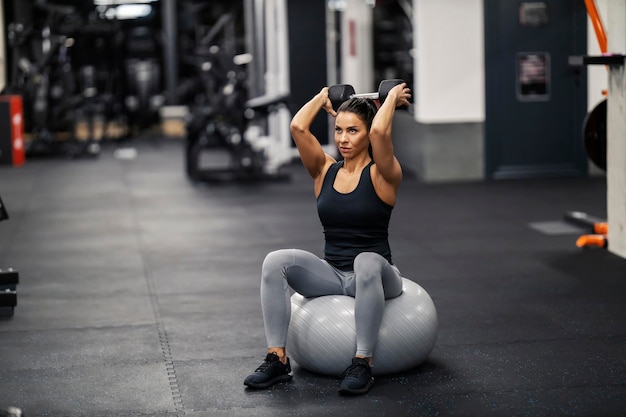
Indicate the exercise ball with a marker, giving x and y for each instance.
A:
(322, 335)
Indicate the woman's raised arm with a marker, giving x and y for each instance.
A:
(310, 150)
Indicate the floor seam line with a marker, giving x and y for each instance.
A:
(170, 369)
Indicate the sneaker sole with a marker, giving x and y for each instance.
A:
(364, 390)
(277, 380)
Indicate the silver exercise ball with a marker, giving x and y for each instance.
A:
(322, 335)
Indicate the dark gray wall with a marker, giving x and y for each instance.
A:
(307, 57)
(439, 152)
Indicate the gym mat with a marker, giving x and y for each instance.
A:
(139, 295)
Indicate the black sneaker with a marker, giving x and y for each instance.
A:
(357, 379)
(270, 372)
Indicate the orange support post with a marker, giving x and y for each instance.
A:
(598, 27)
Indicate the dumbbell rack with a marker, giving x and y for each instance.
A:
(9, 279)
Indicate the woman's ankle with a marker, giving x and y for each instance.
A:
(367, 358)
(280, 352)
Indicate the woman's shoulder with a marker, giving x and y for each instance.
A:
(385, 190)
(330, 164)
(331, 161)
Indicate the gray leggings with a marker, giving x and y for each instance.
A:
(373, 281)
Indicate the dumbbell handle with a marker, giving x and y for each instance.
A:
(373, 96)
(383, 88)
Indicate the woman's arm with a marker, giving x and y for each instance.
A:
(380, 135)
(310, 150)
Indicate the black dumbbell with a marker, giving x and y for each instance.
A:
(339, 93)
(4, 214)
(8, 294)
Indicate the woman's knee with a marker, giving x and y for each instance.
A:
(369, 261)
(371, 269)
(275, 264)
(368, 268)
(278, 257)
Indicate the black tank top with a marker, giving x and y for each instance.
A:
(354, 222)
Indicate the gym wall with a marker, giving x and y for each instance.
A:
(3, 63)
(450, 66)
(357, 46)
(447, 137)
(307, 57)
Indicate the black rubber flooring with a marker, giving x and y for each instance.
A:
(138, 295)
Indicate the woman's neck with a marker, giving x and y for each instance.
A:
(353, 165)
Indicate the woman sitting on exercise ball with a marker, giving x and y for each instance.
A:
(355, 198)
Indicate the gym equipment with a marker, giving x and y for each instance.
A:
(217, 147)
(322, 335)
(41, 72)
(12, 128)
(4, 214)
(8, 280)
(597, 227)
(8, 293)
(239, 124)
(339, 93)
(392, 27)
(594, 135)
(67, 65)
(143, 77)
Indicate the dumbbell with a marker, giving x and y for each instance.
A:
(4, 214)
(339, 93)
(8, 294)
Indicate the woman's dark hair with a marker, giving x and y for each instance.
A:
(364, 108)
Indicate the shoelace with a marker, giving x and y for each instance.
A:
(263, 367)
(266, 365)
(355, 370)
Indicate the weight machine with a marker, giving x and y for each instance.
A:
(79, 70)
(595, 133)
(229, 134)
(41, 73)
(54, 70)
(143, 76)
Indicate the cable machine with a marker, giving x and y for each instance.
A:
(241, 128)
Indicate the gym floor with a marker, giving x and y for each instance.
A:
(139, 295)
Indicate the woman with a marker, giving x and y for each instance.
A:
(355, 198)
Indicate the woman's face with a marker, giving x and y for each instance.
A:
(351, 134)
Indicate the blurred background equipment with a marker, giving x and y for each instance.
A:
(63, 62)
(96, 70)
(12, 128)
(4, 214)
(8, 280)
(239, 121)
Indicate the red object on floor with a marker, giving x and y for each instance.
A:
(12, 150)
